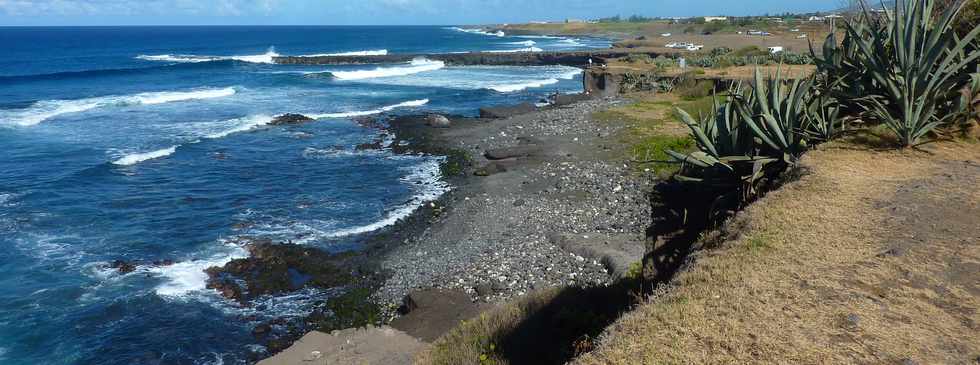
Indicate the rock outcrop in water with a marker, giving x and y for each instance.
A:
(286, 119)
(278, 268)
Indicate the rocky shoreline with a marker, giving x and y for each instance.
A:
(540, 198)
(546, 204)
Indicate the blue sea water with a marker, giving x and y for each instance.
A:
(152, 143)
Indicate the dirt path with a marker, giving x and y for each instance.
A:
(873, 257)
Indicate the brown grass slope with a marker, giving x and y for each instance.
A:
(872, 257)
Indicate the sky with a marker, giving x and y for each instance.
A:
(370, 12)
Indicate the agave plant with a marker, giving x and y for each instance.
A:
(727, 161)
(775, 112)
(823, 120)
(917, 65)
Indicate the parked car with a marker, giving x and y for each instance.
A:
(775, 49)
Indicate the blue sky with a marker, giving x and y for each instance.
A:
(348, 12)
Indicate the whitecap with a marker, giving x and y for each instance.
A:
(135, 158)
(407, 104)
(572, 42)
(417, 65)
(185, 278)
(317, 153)
(232, 126)
(523, 85)
(243, 124)
(529, 49)
(498, 33)
(47, 109)
(524, 43)
(268, 57)
(537, 37)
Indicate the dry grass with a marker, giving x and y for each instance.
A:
(545, 327)
(807, 281)
(476, 340)
(735, 72)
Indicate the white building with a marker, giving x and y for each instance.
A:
(709, 19)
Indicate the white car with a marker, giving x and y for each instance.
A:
(775, 50)
(695, 47)
(671, 45)
(665, 34)
(801, 36)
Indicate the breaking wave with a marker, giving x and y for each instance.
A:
(267, 58)
(227, 128)
(416, 66)
(135, 158)
(529, 49)
(498, 33)
(47, 109)
(407, 104)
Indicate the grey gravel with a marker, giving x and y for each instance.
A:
(492, 241)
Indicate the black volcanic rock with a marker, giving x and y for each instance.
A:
(278, 268)
(124, 267)
(500, 112)
(290, 119)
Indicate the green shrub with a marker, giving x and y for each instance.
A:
(720, 51)
(917, 65)
(750, 51)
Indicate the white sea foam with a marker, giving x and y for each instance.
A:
(572, 42)
(407, 104)
(416, 66)
(570, 74)
(266, 57)
(521, 86)
(524, 43)
(529, 49)
(537, 37)
(229, 127)
(47, 109)
(377, 52)
(427, 178)
(498, 33)
(135, 158)
(7, 197)
(316, 153)
(241, 125)
(507, 88)
(187, 277)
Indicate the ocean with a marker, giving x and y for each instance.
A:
(148, 144)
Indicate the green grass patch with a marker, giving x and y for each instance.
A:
(457, 162)
(652, 151)
(352, 309)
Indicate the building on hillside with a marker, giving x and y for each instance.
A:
(570, 21)
(709, 19)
